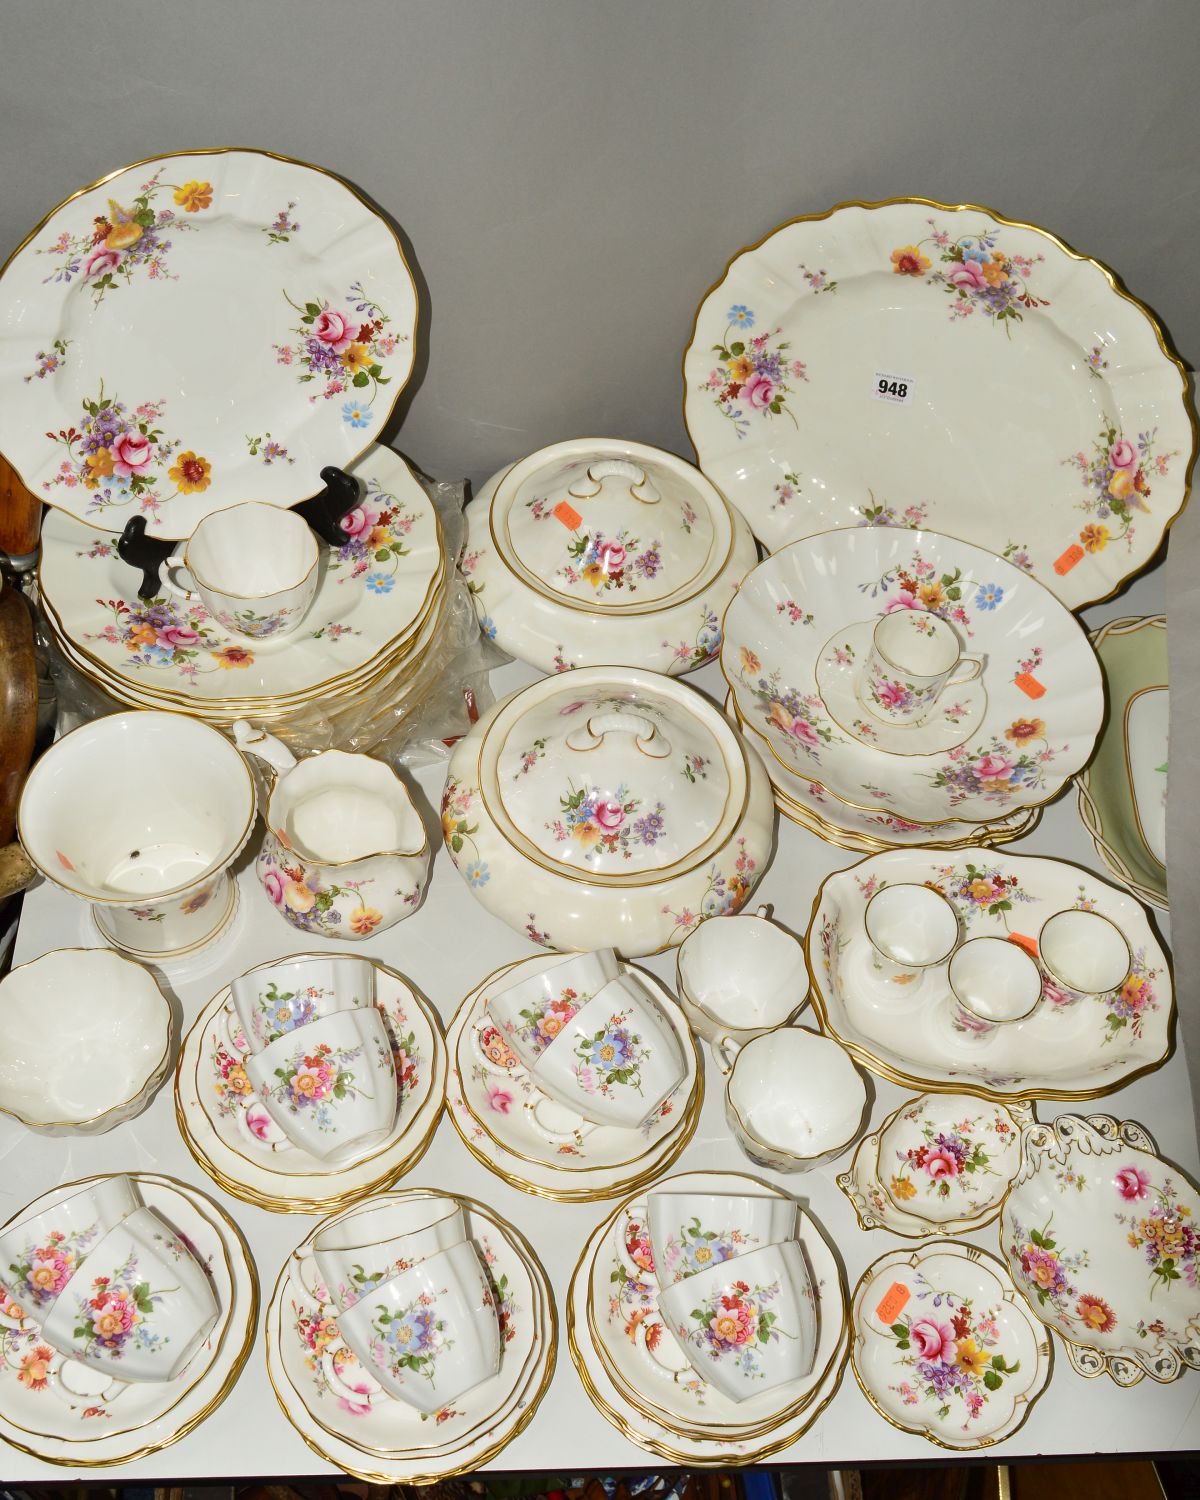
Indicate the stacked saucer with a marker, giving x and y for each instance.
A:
(903, 687)
(379, 601)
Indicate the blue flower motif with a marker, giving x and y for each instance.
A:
(741, 314)
(380, 583)
(476, 873)
(488, 626)
(612, 1051)
(356, 414)
(989, 595)
(975, 252)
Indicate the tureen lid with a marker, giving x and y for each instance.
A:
(609, 526)
(608, 774)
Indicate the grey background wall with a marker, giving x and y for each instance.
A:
(573, 176)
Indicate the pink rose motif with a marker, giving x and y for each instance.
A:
(1131, 1183)
(609, 815)
(335, 329)
(968, 274)
(258, 1122)
(941, 1163)
(890, 693)
(356, 1408)
(903, 600)
(993, 767)
(612, 556)
(1122, 454)
(803, 731)
(500, 1099)
(100, 261)
(360, 522)
(131, 454)
(273, 883)
(177, 635)
(759, 391)
(933, 1341)
(1055, 992)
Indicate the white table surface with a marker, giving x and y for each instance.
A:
(445, 948)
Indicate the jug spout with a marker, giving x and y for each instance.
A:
(252, 740)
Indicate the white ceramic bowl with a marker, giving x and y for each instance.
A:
(533, 1012)
(355, 1254)
(278, 999)
(40, 1253)
(794, 1099)
(87, 1041)
(740, 977)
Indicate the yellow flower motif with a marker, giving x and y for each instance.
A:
(931, 595)
(1121, 484)
(1094, 538)
(230, 657)
(595, 575)
(366, 920)
(908, 261)
(100, 464)
(970, 1357)
(749, 661)
(123, 228)
(993, 272)
(190, 473)
(298, 897)
(740, 368)
(902, 1188)
(193, 196)
(356, 358)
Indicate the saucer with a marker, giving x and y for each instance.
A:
(63, 1412)
(492, 1100)
(955, 717)
(940, 1164)
(240, 1146)
(945, 1348)
(693, 1445)
(342, 1413)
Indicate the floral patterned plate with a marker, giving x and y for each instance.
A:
(343, 1415)
(238, 1144)
(940, 1164)
(64, 1413)
(1044, 705)
(1129, 770)
(690, 1439)
(1061, 1051)
(375, 594)
(945, 1348)
(1102, 1241)
(918, 364)
(515, 1131)
(639, 1352)
(197, 330)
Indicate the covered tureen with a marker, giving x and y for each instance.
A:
(609, 807)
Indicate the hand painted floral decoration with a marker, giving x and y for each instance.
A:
(342, 349)
(605, 824)
(737, 1323)
(755, 375)
(975, 272)
(611, 1058)
(1116, 475)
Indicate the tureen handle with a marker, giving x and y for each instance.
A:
(251, 740)
(640, 486)
(650, 740)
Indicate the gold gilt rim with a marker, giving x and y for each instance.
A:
(881, 1069)
(1115, 283)
(721, 1459)
(293, 161)
(365, 675)
(661, 1415)
(474, 1001)
(231, 593)
(154, 1076)
(1115, 863)
(1043, 1343)
(870, 807)
(709, 574)
(512, 1397)
(235, 1369)
(1151, 687)
(478, 1460)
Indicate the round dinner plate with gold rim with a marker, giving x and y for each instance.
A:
(129, 392)
(247, 1155)
(915, 363)
(423, 1463)
(31, 1390)
(561, 1170)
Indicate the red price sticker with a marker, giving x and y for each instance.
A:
(1064, 564)
(567, 514)
(893, 1302)
(1029, 684)
(1029, 944)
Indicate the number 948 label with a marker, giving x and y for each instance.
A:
(898, 389)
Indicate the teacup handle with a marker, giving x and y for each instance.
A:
(176, 564)
(252, 740)
(974, 665)
(725, 1051)
(146, 553)
(560, 1133)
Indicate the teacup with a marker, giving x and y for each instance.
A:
(41, 1252)
(912, 930)
(740, 977)
(253, 566)
(141, 1306)
(431, 1333)
(794, 1100)
(142, 814)
(616, 1060)
(356, 1253)
(331, 1086)
(280, 998)
(992, 982)
(691, 1232)
(914, 657)
(749, 1326)
(533, 1012)
(1084, 955)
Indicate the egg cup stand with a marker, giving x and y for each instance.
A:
(445, 948)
